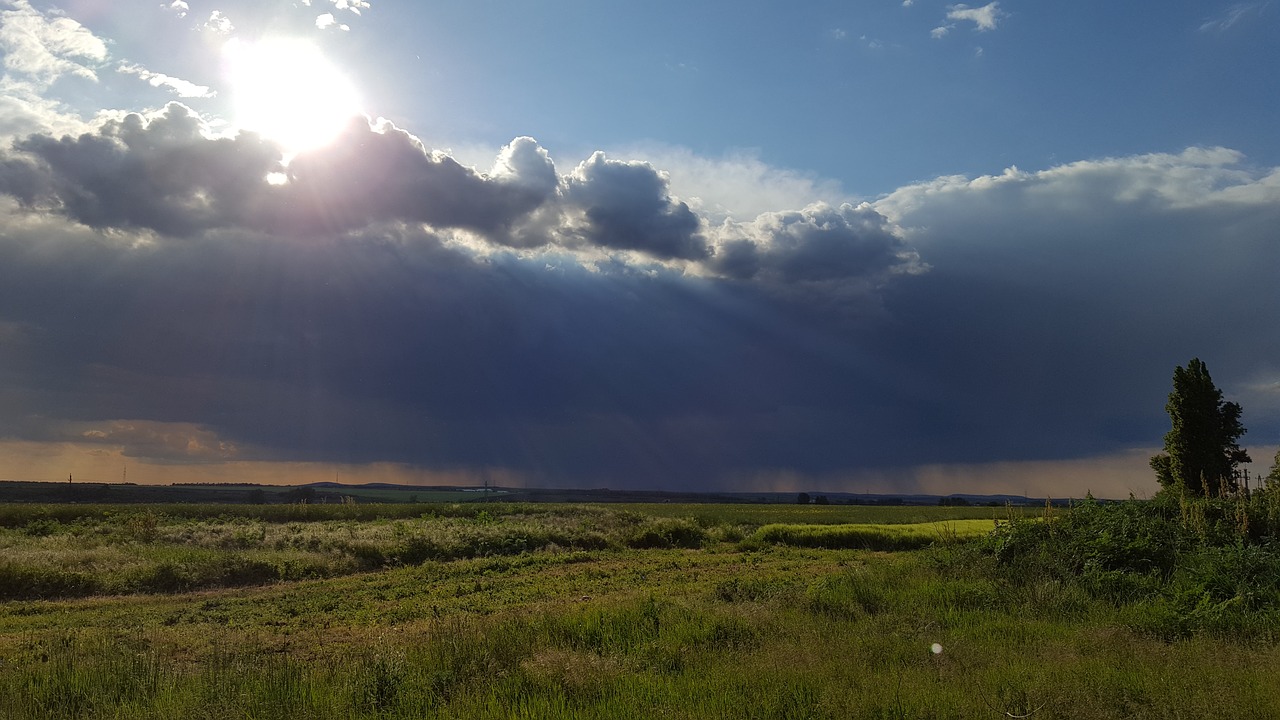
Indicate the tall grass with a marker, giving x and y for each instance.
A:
(830, 634)
(874, 537)
(671, 617)
(1176, 567)
(182, 549)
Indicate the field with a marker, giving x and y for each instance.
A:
(548, 611)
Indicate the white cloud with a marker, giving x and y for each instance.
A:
(940, 31)
(25, 110)
(179, 7)
(354, 6)
(326, 21)
(44, 47)
(219, 23)
(985, 17)
(180, 87)
(1195, 178)
(908, 3)
(1231, 17)
(738, 185)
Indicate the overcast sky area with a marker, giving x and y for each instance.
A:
(890, 246)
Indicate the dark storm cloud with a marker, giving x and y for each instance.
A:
(162, 174)
(166, 174)
(340, 316)
(628, 207)
(820, 244)
(390, 346)
(1059, 302)
(371, 174)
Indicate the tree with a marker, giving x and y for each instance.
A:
(802, 499)
(1200, 450)
(1273, 478)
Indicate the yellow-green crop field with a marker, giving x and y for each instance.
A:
(573, 611)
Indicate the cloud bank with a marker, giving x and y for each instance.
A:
(188, 297)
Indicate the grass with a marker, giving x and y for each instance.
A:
(874, 536)
(672, 616)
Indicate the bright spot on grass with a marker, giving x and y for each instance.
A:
(936, 648)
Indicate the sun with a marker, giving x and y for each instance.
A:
(288, 91)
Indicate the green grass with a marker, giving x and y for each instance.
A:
(874, 537)
(673, 616)
(757, 515)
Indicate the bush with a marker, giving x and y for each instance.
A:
(1179, 566)
(668, 533)
(23, 582)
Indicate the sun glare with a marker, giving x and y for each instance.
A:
(288, 91)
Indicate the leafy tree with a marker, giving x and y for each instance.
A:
(1273, 477)
(802, 499)
(1200, 450)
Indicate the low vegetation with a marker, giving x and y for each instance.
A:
(1141, 609)
(1176, 567)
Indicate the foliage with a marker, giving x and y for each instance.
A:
(782, 632)
(1177, 566)
(1272, 480)
(873, 537)
(1201, 451)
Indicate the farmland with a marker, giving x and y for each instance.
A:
(520, 610)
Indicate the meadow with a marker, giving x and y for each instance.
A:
(501, 610)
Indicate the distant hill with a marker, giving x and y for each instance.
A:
(333, 492)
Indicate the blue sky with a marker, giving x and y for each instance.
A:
(893, 246)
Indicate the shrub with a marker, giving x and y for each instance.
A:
(1178, 566)
(668, 533)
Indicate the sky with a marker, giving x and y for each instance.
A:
(894, 246)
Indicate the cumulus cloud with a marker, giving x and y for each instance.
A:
(163, 174)
(1097, 273)
(24, 110)
(355, 6)
(373, 173)
(178, 7)
(44, 47)
(615, 322)
(738, 185)
(843, 251)
(326, 21)
(984, 18)
(168, 173)
(178, 86)
(627, 206)
(219, 23)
